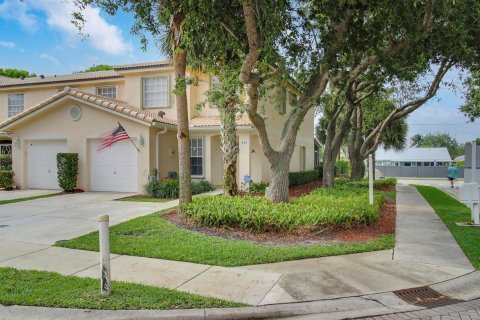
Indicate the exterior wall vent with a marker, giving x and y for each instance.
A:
(75, 112)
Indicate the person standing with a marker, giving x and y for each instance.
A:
(452, 174)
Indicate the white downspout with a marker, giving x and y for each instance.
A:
(157, 147)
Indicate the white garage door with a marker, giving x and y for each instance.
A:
(114, 168)
(42, 163)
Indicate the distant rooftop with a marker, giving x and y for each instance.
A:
(414, 154)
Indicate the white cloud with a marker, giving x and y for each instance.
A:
(50, 58)
(8, 44)
(18, 11)
(101, 35)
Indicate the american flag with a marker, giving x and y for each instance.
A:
(111, 137)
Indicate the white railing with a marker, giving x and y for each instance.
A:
(5, 148)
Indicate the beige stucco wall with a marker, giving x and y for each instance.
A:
(54, 124)
(36, 94)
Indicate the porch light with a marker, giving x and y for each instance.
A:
(16, 143)
(142, 140)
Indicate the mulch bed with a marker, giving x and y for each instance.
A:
(300, 236)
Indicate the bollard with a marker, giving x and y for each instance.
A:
(104, 238)
(370, 179)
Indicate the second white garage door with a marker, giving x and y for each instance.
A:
(115, 168)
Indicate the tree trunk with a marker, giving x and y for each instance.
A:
(278, 191)
(230, 149)
(328, 171)
(180, 64)
(356, 167)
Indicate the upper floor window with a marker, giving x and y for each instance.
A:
(16, 103)
(155, 92)
(303, 158)
(283, 101)
(107, 91)
(196, 156)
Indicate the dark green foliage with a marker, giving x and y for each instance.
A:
(15, 73)
(6, 179)
(384, 184)
(5, 162)
(67, 165)
(344, 207)
(169, 189)
(438, 140)
(452, 211)
(342, 168)
(320, 170)
(100, 67)
(302, 177)
(258, 187)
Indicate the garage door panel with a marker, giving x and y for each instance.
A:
(42, 163)
(114, 168)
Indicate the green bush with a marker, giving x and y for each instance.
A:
(67, 168)
(258, 187)
(319, 168)
(6, 179)
(340, 208)
(169, 189)
(5, 162)
(202, 186)
(342, 168)
(302, 177)
(384, 184)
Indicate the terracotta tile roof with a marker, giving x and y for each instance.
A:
(97, 75)
(242, 121)
(145, 65)
(111, 104)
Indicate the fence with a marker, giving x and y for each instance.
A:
(416, 172)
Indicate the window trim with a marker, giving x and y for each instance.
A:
(113, 86)
(8, 106)
(202, 138)
(303, 158)
(142, 86)
(283, 101)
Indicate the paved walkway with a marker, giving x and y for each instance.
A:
(438, 258)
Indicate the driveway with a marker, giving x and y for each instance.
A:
(17, 194)
(44, 221)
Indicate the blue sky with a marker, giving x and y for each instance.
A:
(37, 36)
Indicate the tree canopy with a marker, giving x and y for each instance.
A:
(98, 67)
(438, 140)
(16, 73)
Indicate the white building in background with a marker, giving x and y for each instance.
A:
(413, 157)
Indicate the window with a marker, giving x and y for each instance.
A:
(16, 102)
(214, 81)
(196, 156)
(155, 92)
(107, 92)
(303, 156)
(293, 98)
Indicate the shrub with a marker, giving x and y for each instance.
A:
(384, 184)
(6, 179)
(67, 168)
(343, 208)
(202, 186)
(319, 168)
(258, 187)
(342, 168)
(5, 162)
(302, 177)
(169, 188)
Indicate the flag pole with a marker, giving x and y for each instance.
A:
(129, 137)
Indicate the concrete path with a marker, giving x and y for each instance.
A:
(17, 194)
(442, 184)
(421, 257)
(422, 236)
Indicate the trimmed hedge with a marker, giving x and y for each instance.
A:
(258, 187)
(384, 184)
(170, 188)
(67, 166)
(5, 162)
(6, 179)
(340, 208)
(302, 177)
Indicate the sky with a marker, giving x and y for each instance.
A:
(37, 35)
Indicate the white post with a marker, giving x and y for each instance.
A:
(104, 238)
(370, 178)
(474, 161)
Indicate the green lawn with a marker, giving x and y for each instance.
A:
(451, 211)
(27, 198)
(49, 289)
(151, 236)
(145, 199)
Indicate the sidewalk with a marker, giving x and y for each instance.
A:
(417, 260)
